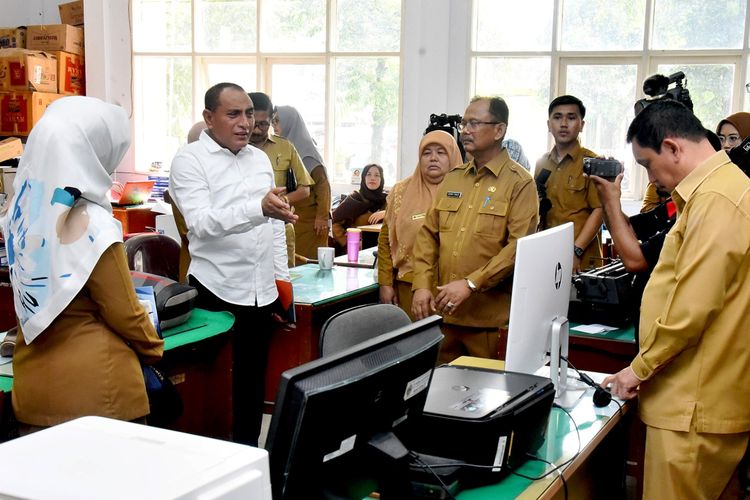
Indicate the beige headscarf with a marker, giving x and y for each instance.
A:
(408, 203)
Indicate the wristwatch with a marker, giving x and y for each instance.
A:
(471, 285)
(578, 251)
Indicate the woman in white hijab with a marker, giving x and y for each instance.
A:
(311, 229)
(82, 332)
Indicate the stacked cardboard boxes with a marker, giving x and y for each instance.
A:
(51, 66)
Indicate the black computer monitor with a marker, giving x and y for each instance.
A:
(335, 427)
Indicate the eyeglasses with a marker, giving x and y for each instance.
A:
(262, 125)
(473, 124)
(731, 139)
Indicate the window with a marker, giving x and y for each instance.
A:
(338, 62)
(601, 51)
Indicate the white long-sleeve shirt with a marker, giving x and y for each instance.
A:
(236, 251)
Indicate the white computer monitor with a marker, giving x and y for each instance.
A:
(538, 329)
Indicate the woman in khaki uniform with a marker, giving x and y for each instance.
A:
(82, 332)
(407, 206)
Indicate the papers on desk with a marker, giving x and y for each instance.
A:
(593, 328)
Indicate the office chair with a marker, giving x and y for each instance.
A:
(357, 324)
(154, 253)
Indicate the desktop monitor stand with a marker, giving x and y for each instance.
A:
(565, 396)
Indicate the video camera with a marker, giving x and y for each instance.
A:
(656, 87)
(447, 123)
(740, 155)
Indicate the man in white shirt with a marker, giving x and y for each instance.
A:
(235, 219)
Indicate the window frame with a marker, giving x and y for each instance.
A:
(264, 62)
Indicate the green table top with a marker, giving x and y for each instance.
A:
(560, 445)
(201, 325)
(626, 334)
(315, 287)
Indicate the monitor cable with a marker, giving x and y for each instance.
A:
(430, 468)
(602, 397)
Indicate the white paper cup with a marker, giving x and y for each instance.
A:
(325, 257)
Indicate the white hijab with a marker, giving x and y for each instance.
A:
(55, 238)
(294, 130)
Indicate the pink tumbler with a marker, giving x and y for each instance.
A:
(353, 240)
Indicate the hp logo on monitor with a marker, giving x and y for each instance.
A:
(558, 276)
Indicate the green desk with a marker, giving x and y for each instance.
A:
(602, 352)
(317, 296)
(198, 360)
(596, 470)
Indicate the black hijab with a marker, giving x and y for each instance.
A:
(362, 201)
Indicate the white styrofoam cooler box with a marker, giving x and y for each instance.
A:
(95, 457)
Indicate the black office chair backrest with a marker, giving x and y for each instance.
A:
(352, 326)
(154, 253)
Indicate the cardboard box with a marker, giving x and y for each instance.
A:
(10, 148)
(19, 111)
(22, 70)
(13, 38)
(71, 74)
(52, 37)
(71, 13)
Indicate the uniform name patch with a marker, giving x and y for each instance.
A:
(454, 194)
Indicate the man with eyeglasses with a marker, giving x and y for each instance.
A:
(573, 196)
(284, 159)
(467, 245)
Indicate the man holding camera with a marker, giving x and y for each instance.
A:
(692, 372)
(560, 174)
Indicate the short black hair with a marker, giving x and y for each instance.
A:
(662, 119)
(211, 99)
(498, 107)
(261, 102)
(567, 99)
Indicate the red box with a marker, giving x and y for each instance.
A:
(71, 74)
(19, 111)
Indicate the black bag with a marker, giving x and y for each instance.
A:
(291, 180)
(163, 399)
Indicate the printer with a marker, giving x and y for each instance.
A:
(603, 295)
(485, 417)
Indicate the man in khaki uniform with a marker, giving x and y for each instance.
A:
(283, 156)
(692, 373)
(467, 244)
(573, 196)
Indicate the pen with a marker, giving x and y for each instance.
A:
(486, 201)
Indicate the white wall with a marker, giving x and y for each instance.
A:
(26, 12)
(435, 64)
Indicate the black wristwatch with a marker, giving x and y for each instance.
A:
(578, 251)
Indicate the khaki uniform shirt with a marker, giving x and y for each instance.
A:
(652, 198)
(283, 155)
(88, 360)
(694, 353)
(573, 196)
(471, 231)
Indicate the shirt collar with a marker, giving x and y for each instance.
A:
(214, 147)
(685, 189)
(573, 153)
(495, 165)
